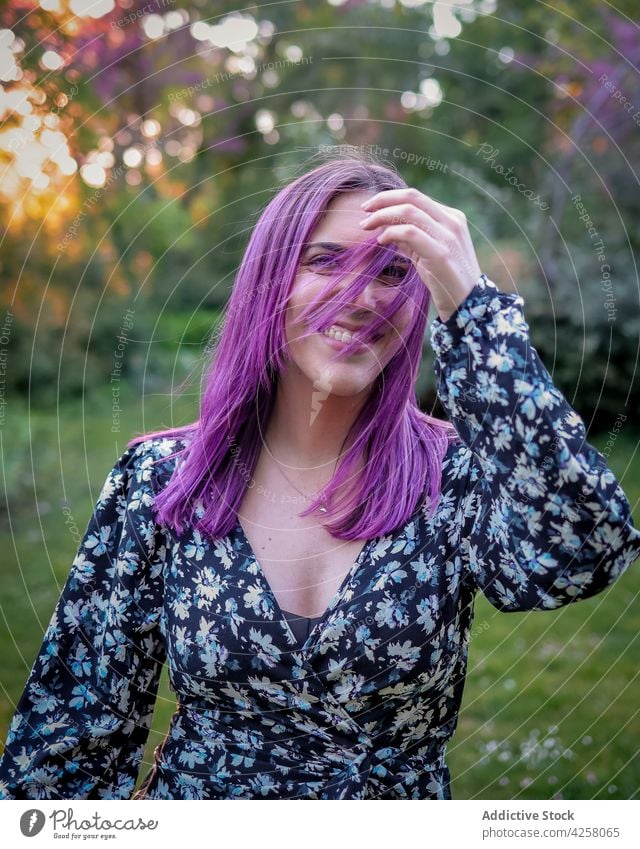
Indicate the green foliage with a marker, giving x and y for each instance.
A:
(168, 237)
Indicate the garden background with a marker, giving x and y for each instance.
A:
(139, 141)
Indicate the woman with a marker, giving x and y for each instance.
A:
(306, 554)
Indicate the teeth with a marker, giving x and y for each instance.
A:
(338, 333)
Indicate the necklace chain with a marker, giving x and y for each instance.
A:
(322, 508)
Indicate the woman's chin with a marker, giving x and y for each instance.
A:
(342, 380)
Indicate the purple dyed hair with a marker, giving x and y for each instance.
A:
(399, 447)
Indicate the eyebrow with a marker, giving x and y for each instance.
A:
(327, 246)
(335, 247)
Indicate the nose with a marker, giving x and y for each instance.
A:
(370, 296)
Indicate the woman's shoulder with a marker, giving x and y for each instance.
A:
(157, 447)
(153, 458)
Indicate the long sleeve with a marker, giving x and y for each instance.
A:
(81, 724)
(545, 522)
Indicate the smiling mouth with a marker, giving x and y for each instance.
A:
(341, 334)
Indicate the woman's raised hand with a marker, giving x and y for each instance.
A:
(433, 236)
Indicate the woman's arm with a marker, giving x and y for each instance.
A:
(545, 520)
(81, 724)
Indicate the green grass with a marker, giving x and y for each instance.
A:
(551, 701)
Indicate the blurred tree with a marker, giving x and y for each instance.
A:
(141, 139)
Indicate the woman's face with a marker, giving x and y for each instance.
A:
(312, 355)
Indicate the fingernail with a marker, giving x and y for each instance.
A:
(365, 204)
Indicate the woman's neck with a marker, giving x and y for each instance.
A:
(308, 424)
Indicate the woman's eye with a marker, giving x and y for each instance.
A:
(321, 261)
(394, 273)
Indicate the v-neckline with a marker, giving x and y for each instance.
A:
(261, 575)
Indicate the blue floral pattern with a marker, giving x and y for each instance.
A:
(529, 514)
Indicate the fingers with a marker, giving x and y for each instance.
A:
(440, 212)
(414, 242)
(405, 213)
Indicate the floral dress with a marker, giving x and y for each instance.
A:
(530, 515)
